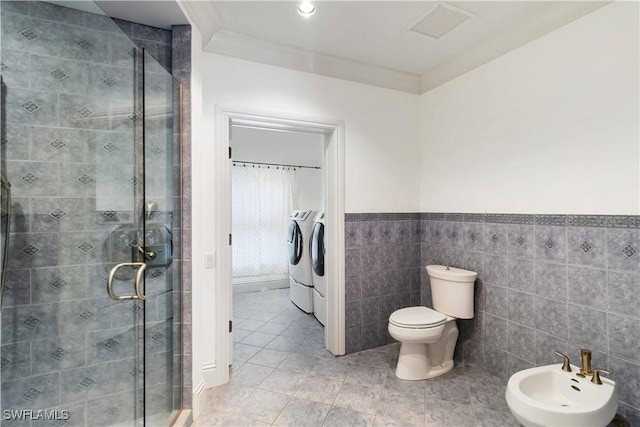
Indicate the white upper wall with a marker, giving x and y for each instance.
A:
(552, 127)
(291, 148)
(381, 125)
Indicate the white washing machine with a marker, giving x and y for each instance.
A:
(317, 266)
(298, 240)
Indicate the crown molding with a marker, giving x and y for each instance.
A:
(216, 40)
(257, 50)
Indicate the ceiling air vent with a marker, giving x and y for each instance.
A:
(440, 20)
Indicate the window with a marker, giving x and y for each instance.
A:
(262, 202)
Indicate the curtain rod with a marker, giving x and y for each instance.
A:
(275, 164)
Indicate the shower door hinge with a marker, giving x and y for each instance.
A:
(229, 151)
(229, 239)
(230, 326)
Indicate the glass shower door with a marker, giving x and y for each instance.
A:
(88, 148)
(161, 111)
(71, 147)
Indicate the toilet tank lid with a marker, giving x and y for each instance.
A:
(452, 274)
(419, 316)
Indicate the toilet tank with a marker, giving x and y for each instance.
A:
(452, 290)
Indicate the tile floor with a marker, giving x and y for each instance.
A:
(282, 376)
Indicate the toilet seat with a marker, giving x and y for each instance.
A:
(417, 318)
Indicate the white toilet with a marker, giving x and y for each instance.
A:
(428, 337)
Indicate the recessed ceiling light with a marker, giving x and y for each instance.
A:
(306, 9)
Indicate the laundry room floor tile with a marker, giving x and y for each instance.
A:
(272, 328)
(250, 324)
(258, 339)
(269, 357)
(263, 315)
(243, 352)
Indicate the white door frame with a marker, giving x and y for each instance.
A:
(334, 222)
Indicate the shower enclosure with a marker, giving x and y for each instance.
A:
(90, 154)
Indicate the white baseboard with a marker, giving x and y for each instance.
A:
(260, 284)
(197, 394)
(212, 376)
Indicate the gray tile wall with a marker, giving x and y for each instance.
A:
(545, 283)
(382, 274)
(181, 67)
(67, 140)
(156, 41)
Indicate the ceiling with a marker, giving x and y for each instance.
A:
(363, 41)
(369, 32)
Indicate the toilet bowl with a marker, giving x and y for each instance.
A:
(428, 336)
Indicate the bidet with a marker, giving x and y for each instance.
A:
(551, 396)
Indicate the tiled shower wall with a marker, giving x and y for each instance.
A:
(545, 283)
(60, 241)
(155, 41)
(181, 69)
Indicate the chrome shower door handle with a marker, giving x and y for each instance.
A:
(139, 277)
(138, 282)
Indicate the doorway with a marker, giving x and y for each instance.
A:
(277, 187)
(332, 133)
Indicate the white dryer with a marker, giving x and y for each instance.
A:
(300, 277)
(317, 265)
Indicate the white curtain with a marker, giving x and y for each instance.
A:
(262, 200)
